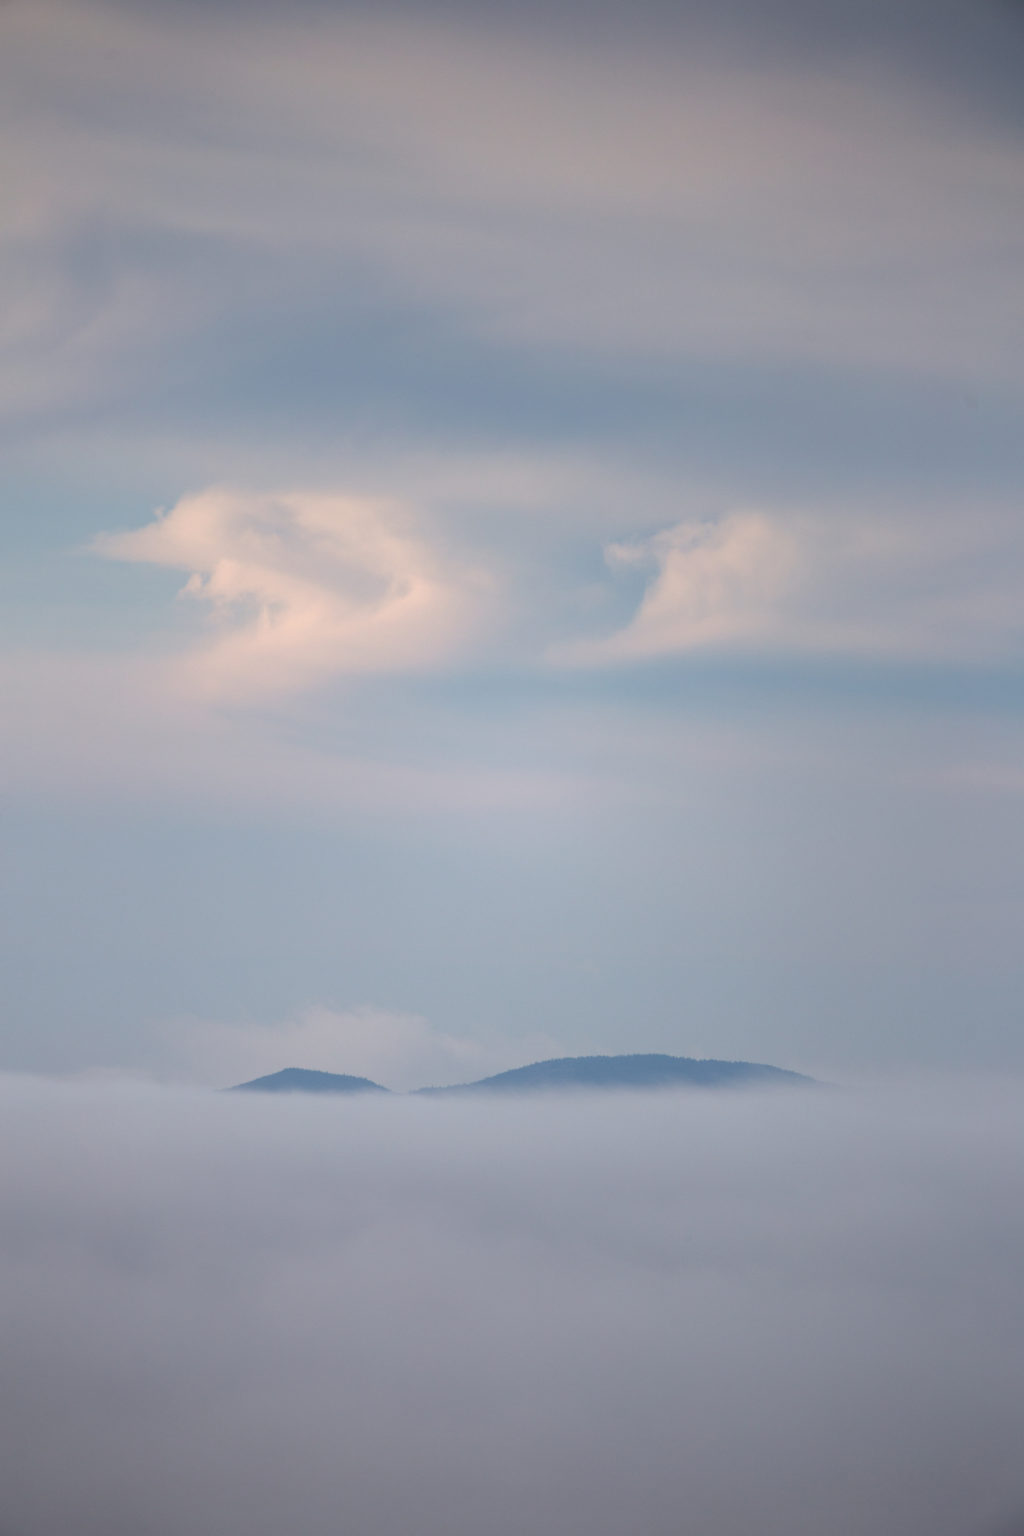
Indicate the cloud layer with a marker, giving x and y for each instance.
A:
(660, 1315)
(634, 195)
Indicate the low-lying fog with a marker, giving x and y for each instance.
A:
(726, 1315)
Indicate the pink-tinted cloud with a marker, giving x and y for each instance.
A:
(303, 586)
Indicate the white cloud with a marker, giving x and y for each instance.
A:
(304, 585)
(914, 589)
(399, 1050)
(716, 582)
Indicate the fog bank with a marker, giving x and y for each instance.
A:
(784, 1313)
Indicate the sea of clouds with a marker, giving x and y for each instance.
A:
(775, 1313)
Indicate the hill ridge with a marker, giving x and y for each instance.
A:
(634, 1069)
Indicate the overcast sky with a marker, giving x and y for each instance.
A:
(512, 534)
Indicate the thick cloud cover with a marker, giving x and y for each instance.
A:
(791, 1314)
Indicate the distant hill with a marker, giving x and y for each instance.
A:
(566, 1072)
(299, 1080)
(629, 1072)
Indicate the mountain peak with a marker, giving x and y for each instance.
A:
(303, 1080)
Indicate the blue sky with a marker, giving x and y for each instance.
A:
(512, 536)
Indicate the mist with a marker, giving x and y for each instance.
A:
(781, 1313)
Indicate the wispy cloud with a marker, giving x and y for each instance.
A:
(936, 589)
(303, 586)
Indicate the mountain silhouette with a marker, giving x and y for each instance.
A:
(300, 1080)
(639, 1071)
(566, 1072)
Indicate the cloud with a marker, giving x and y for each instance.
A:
(716, 583)
(647, 198)
(301, 587)
(907, 588)
(304, 586)
(655, 1314)
(399, 1050)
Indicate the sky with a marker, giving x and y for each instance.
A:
(787, 1312)
(512, 535)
